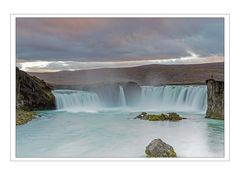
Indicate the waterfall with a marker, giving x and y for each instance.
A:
(177, 98)
(76, 100)
(161, 98)
(122, 98)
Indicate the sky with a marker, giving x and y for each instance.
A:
(55, 44)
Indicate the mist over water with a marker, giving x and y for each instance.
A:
(84, 126)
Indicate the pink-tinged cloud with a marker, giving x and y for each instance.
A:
(116, 39)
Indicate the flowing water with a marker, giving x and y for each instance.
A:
(83, 127)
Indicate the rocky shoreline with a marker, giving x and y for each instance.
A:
(24, 116)
(32, 94)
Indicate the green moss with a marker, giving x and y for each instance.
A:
(154, 117)
(174, 116)
(168, 153)
(215, 115)
(171, 154)
(161, 117)
(23, 116)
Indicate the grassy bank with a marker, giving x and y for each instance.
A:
(23, 116)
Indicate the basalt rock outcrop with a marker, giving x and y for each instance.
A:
(215, 90)
(32, 93)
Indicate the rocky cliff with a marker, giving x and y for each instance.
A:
(215, 101)
(32, 93)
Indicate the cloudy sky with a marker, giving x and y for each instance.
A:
(54, 44)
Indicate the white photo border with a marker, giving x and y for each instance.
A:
(226, 83)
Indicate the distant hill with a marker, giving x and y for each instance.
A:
(143, 75)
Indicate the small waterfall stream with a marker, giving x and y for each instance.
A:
(122, 97)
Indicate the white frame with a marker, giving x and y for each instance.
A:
(226, 82)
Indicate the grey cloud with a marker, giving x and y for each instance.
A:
(113, 39)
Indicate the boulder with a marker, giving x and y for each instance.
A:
(215, 99)
(158, 148)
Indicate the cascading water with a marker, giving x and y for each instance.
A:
(74, 100)
(122, 97)
(161, 98)
(177, 98)
(84, 128)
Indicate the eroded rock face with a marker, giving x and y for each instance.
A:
(32, 93)
(158, 148)
(215, 101)
(132, 93)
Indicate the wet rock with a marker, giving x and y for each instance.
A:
(158, 148)
(215, 91)
(23, 116)
(143, 116)
(172, 116)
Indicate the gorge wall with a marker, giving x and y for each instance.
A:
(32, 93)
(215, 90)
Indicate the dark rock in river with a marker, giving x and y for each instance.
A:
(215, 91)
(172, 116)
(158, 148)
(32, 93)
(132, 93)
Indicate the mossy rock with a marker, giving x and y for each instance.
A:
(158, 148)
(23, 116)
(154, 117)
(160, 117)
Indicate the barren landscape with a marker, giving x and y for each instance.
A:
(144, 75)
